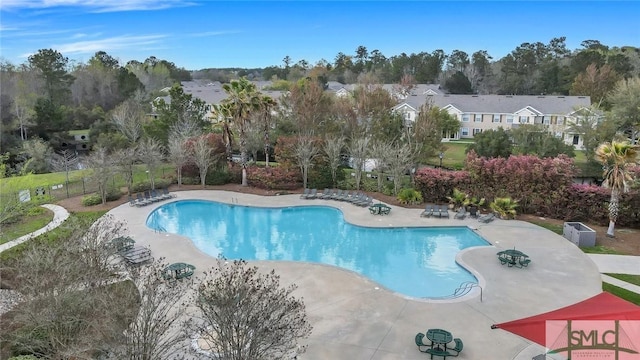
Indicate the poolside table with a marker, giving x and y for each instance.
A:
(512, 257)
(439, 337)
(177, 271)
(379, 209)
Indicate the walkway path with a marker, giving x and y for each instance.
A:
(60, 214)
(618, 264)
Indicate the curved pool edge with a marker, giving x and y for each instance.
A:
(475, 278)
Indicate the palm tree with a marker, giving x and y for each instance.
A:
(616, 159)
(267, 103)
(243, 100)
(223, 113)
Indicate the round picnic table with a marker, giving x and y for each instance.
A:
(178, 270)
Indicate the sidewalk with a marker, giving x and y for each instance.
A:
(618, 264)
(60, 214)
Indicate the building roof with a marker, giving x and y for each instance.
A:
(503, 104)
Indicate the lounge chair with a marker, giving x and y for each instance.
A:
(443, 211)
(487, 218)
(305, 193)
(141, 201)
(345, 195)
(356, 197)
(312, 194)
(157, 196)
(167, 194)
(149, 198)
(365, 201)
(325, 194)
(336, 195)
(473, 211)
(419, 343)
(330, 194)
(428, 210)
(461, 213)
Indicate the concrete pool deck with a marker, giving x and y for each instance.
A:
(355, 318)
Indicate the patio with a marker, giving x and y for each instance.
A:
(355, 318)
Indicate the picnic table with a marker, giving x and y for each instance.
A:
(121, 244)
(177, 271)
(379, 209)
(137, 255)
(513, 257)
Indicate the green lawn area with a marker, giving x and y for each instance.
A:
(599, 249)
(37, 218)
(622, 293)
(556, 228)
(632, 279)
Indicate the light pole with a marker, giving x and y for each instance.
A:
(441, 155)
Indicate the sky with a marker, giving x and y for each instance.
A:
(198, 34)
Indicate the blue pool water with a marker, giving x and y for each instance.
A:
(417, 262)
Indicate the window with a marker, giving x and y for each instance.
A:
(496, 118)
(546, 120)
(524, 119)
(465, 131)
(509, 119)
(478, 118)
(465, 118)
(560, 120)
(476, 131)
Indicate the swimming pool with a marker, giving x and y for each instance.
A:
(417, 262)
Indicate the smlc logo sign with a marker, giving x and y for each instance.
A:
(594, 339)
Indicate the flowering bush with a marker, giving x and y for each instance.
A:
(273, 178)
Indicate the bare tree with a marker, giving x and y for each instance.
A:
(64, 160)
(150, 152)
(202, 153)
(126, 160)
(380, 151)
(102, 165)
(359, 150)
(159, 329)
(333, 151)
(128, 118)
(71, 306)
(248, 315)
(306, 151)
(179, 155)
(399, 160)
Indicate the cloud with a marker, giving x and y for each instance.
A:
(96, 5)
(110, 44)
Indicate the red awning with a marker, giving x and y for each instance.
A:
(603, 306)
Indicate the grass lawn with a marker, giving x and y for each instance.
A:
(622, 293)
(632, 279)
(556, 228)
(599, 249)
(35, 219)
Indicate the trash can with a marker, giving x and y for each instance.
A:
(579, 234)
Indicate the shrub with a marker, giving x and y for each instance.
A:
(505, 207)
(410, 196)
(219, 176)
(96, 199)
(146, 185)
(272, 178)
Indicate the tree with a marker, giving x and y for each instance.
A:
(590, 125)
(64, 160)
(431, 125)
(101, 164)
(616, 158)
(458, 83)
(128, 118)
(333, 151)
(306, 150)
(492, 144)
(202, 155)
(126, 159)
(53, 69)
(151, 153)
(625, 108)
(159, 327)
(536, 140)
(37, 154)
(182, 107)
(247, 315)
(399, 159)
(73, 304)
(267, 105)
(381, 152)
(596, 83)
(242, 100)
(359, 150)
